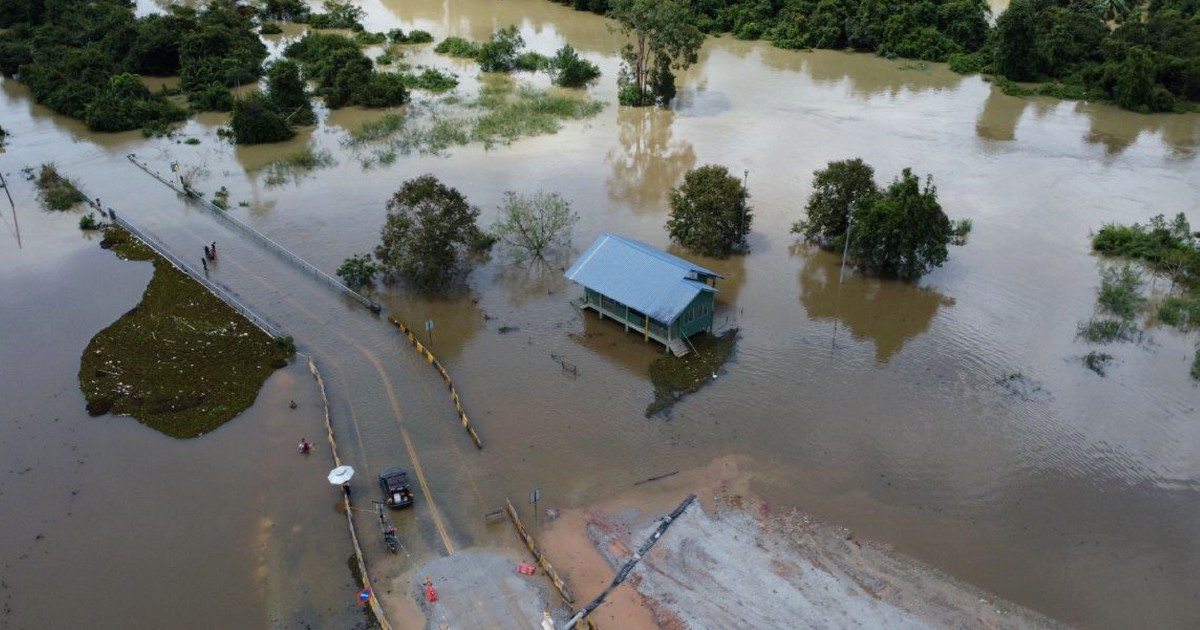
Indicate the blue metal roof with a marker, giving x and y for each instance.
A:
(643, 277)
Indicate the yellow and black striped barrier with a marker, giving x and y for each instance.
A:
(462, 414)
(373, 602)
(563, 591)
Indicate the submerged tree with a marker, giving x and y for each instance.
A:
(709, 211)
(568, 69)
(841, 189)
(535, 226)
(500, 54)
(429, 231)
(357, 270)
(899, 231)
(665, 38)
(256, 121)
(286, 90)
(904, 232)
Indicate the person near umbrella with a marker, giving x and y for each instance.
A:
(305, 446)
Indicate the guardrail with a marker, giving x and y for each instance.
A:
(373, 601)
(437, 365)
(282, 251)
(527, 538)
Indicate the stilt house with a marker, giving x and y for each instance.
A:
(662, 297)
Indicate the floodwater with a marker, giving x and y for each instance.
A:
(887, 407)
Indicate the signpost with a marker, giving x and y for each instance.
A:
(429, 329)
(534, 497)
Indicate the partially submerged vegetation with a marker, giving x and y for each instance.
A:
(55, 191)
(1141, 56)
(673, 377)
(505, 53)
(295, 166)
(502, 113)
(182, 361)
(899, 230)
(1170, 249)
(83, 59)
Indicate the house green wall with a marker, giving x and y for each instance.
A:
(697, 317)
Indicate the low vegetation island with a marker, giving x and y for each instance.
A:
(182, 361)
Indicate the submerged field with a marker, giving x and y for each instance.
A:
(182, 362)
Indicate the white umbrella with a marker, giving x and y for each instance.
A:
(340, 475)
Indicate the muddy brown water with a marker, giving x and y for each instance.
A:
(886, 407)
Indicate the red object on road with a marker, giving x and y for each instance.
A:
(430, 594)
(525, 568)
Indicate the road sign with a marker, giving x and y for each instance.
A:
(364, 596)
(428, 325)
(535, 496)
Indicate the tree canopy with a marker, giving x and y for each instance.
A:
(899, 231)
(568, 69)
(839, 190)
(256, 120)
(429, 231)
(343, 74)
(665, 38)
(535, 226)
(709, 211)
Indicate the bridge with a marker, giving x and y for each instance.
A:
(388, 406)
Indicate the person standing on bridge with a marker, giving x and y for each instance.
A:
(213, 248)
(204, 263)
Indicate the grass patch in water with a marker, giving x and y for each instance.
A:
(673, 377)
(55, 191)
(1108, 330)
(377, 129)
(1180, 311)
(525, 111)
(294, 166)
(1097, 361)
(182, 361)
(500, 114)
(1120, 291)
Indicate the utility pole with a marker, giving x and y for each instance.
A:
(742, 224)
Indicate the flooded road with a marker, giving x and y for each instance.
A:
(889, 408)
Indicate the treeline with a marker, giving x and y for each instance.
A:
(82, 59)
(1150, 61)
(1141, 57)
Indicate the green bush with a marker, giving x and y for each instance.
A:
(221, 198)
(1108, 330)
(370, 39)
(89, 222)
(256, 121)
(971, 63)
(55, 191)
(568, 69)
(1180, 311)
(338, 15)
(213, 97)
(432, 80)
(285, 10)
(357, 271)
(1120, 291)
(417, 36)
(1097, 362)
(384, 59)
(530, 62)
(270, 28)
(458, 47)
